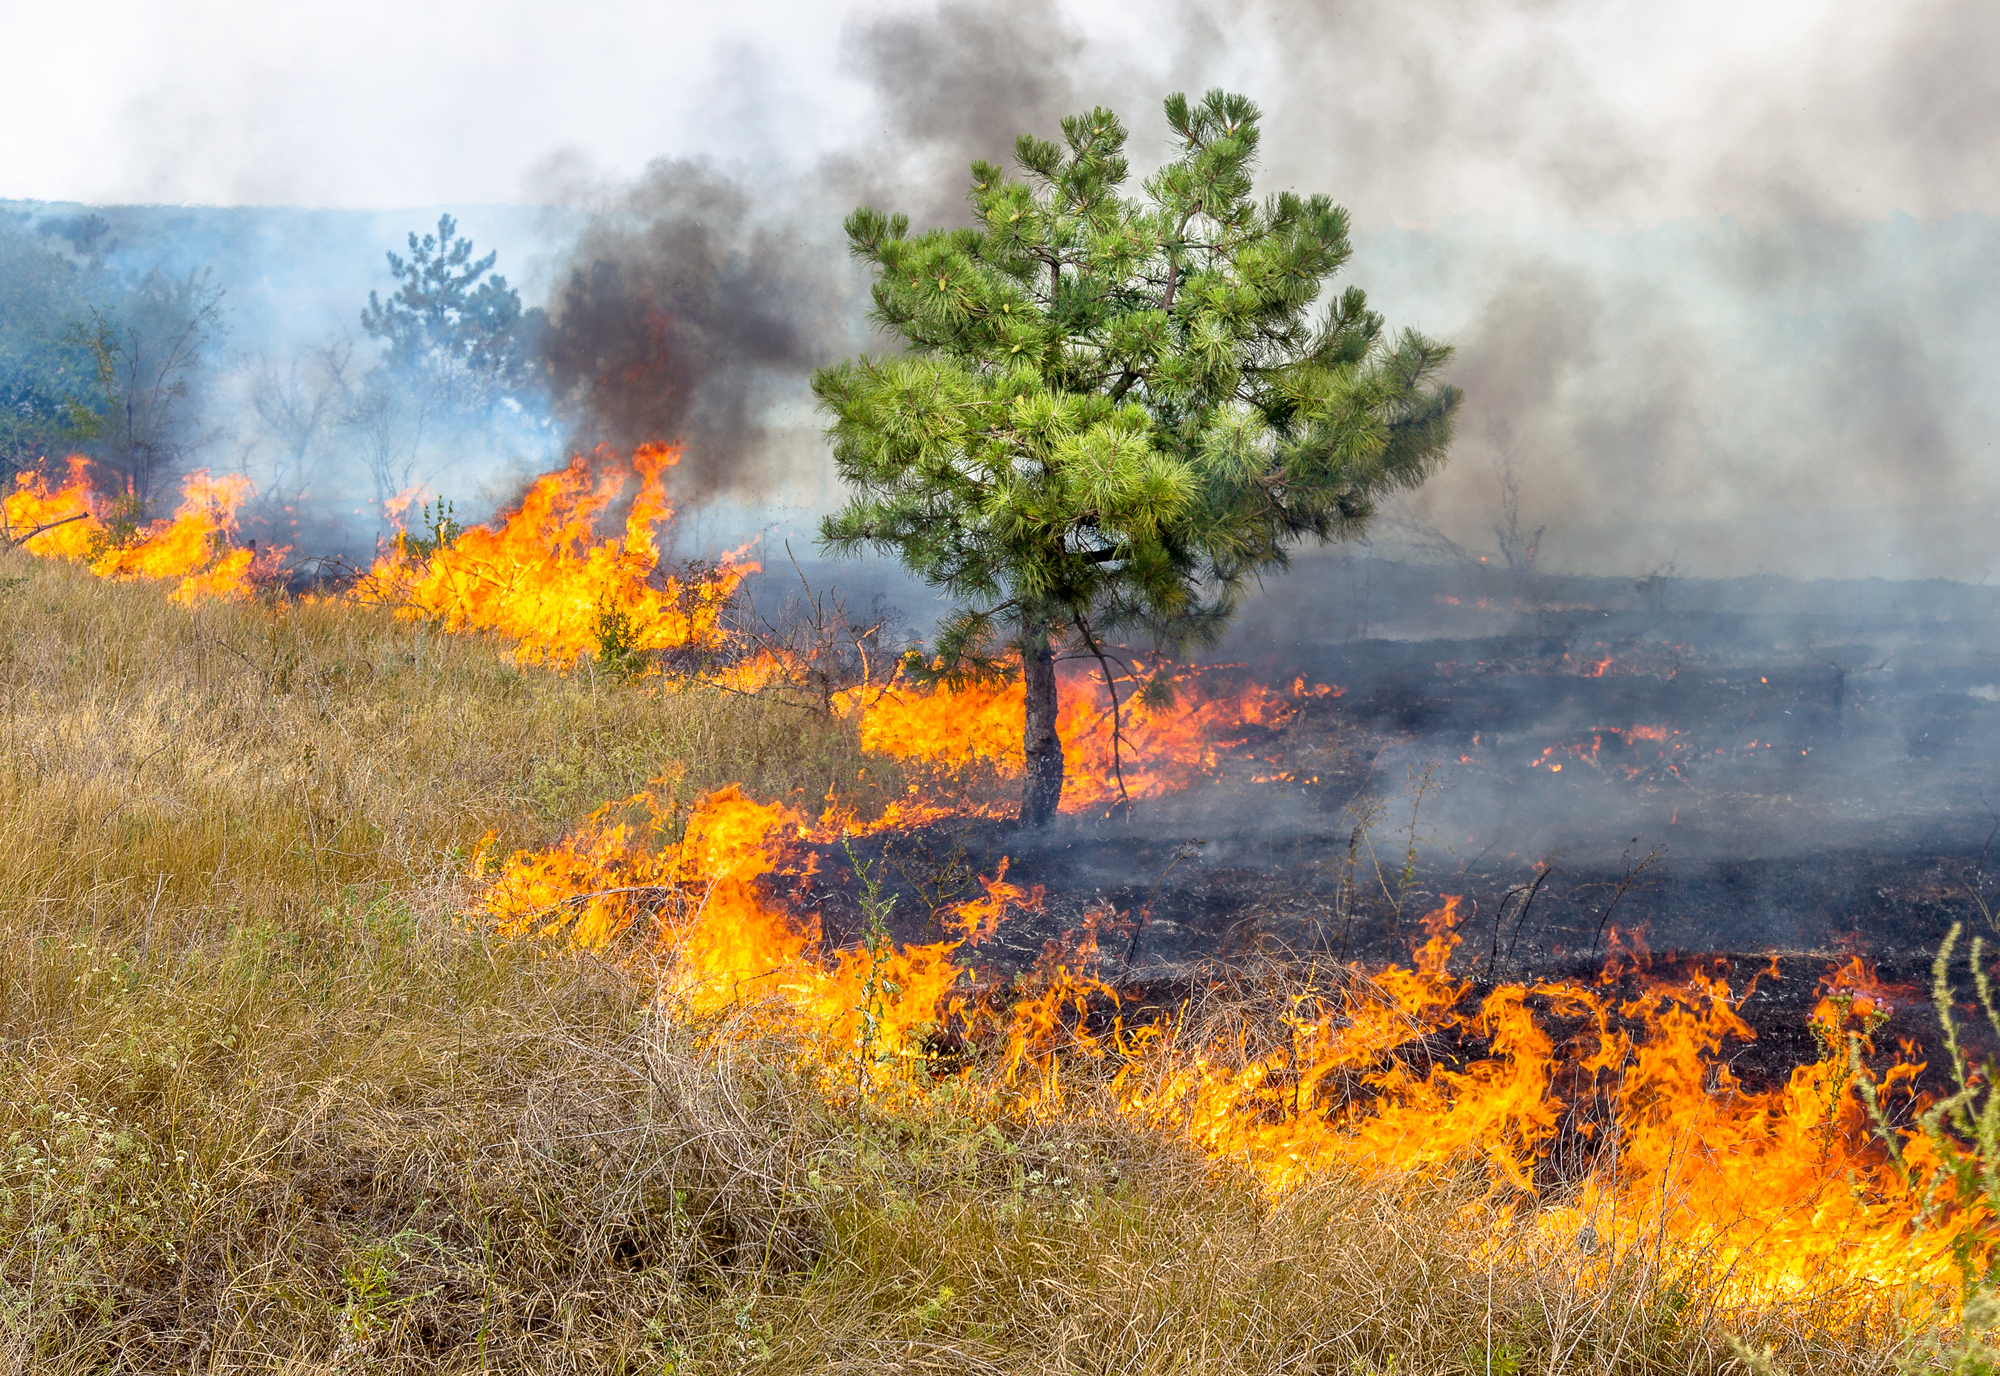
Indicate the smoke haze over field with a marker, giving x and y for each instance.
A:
(1718, 276)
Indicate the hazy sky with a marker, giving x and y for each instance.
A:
(1719, 271)
(1411, 111)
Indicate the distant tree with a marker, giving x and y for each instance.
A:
(456, 342)
(88, 235)
(50, 395)
(151, 353)
(448, 319)
(297, 407)
(1111, 414)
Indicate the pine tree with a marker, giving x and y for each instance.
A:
(1111, 414)
(447, 315)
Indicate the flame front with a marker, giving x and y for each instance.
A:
(1610, 1106)
(1157, 750)
(543, 576)
(1768, 1193)
(194, 549)
(62, 516)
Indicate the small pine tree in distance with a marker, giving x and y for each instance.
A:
(447, 310)
(1112, 413)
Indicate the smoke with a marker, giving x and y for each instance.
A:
(686, 311)
(1686, 326)
(696, 300)
(957, 84)
(1810, 398)
(1669, 241)
(1566, 109)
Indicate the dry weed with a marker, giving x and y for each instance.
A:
(266, 1104)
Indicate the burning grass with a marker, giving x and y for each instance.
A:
(542, 576)
(194, 550)
(1158, 750)
(272, 1102)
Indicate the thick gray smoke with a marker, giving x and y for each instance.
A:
(1801, 385)
(697, 300)
(1798, 384)
(1720, 302)
(959, 84)
(1814, 398)
(683, 316)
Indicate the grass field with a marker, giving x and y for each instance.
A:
(270, 1103)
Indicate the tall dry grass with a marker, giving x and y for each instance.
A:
(268, 1105)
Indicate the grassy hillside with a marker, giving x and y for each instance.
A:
(269, 1103)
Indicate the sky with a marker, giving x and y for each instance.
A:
(1718, 273)
(1533, 109)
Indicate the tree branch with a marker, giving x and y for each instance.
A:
(1117, 724)
(16, 541)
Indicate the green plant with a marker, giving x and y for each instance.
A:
(1962, 1128)
(119, 523)
(1113, 414)
(1501, 1360)
(876, 989)
(1969, 1351)
(440, 532)
(620, 650)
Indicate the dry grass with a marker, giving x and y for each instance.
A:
(267, 1106)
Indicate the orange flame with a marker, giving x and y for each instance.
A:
(543, 577)
(194, 547)
(979, 918)
(1782, 1190)
(63, 515)
(1160, 750)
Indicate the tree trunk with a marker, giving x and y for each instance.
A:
(1041, 747)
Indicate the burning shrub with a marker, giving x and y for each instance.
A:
(544, 578)
(195, 547)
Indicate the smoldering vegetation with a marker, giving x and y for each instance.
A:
(1755, 769)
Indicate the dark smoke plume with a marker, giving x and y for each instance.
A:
(682, 315)
(956, 85)
(694, 303)
(1801, 390)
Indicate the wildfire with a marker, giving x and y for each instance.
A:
(710, 915)
(1779, 1190)
(1634, 761)
(194, 548)
(544, 577)
(1624, 1083)
(61, 515)
(1159, 749)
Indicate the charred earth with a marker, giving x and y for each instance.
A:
(1758, 775)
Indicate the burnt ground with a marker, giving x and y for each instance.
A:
(1170, 919)
(1775, 782)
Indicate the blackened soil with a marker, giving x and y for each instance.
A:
(1170, 907)
(1757, 792)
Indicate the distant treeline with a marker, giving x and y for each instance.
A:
(122, 341)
